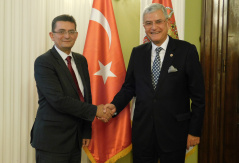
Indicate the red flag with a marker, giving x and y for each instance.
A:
(110, 141)
(173, 32)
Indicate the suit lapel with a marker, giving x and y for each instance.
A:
(148, 72)
(168, 58)
(64, 67)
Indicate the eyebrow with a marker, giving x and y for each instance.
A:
(65, 29)
(152, 21)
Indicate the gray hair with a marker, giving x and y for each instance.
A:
(155, 7)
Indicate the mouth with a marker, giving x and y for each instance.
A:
(153, 33)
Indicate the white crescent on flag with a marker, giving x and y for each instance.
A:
(97, 16)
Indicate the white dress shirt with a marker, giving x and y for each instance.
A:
(161, 53)
(73, 64)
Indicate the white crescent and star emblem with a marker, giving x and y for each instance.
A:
(98, 17)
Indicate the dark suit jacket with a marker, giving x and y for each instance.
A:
(62, 119)
(166, 110)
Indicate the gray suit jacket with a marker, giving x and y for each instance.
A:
(62, 120)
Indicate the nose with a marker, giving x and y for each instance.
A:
(66, 34)
(154, 25)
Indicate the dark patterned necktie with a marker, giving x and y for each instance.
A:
(68, 59)
(156, 67)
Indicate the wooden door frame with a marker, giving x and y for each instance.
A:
(213, 60)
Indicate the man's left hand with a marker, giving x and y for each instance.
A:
(192, 141)
(85, 142)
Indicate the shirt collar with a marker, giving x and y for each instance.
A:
(164, 44)
(62, 54)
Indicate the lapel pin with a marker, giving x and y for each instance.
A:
(171, 55)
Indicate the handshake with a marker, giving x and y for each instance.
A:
(105, 112)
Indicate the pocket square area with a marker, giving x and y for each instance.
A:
(172, 69)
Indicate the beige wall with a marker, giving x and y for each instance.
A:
(127, 13)
(193, 22)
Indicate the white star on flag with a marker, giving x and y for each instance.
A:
(105, 71)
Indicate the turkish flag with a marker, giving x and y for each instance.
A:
(110, 141)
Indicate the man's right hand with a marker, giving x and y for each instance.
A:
(103, 114)
(111, 107)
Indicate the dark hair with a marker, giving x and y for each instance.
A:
(64, 17)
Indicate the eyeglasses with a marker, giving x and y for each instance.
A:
(63, 32)
(149, 24)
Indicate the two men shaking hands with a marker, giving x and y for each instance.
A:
(105, 112)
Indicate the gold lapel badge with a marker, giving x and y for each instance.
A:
(171, 55)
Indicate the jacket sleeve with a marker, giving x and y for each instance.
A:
(196, 91)
(127, 91)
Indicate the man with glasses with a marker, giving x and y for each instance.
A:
(163, 75)
(65, 113)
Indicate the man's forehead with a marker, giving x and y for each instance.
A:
(64, 23)
(156, 15)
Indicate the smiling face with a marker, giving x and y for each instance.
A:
(156, 26)
(64, 41)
